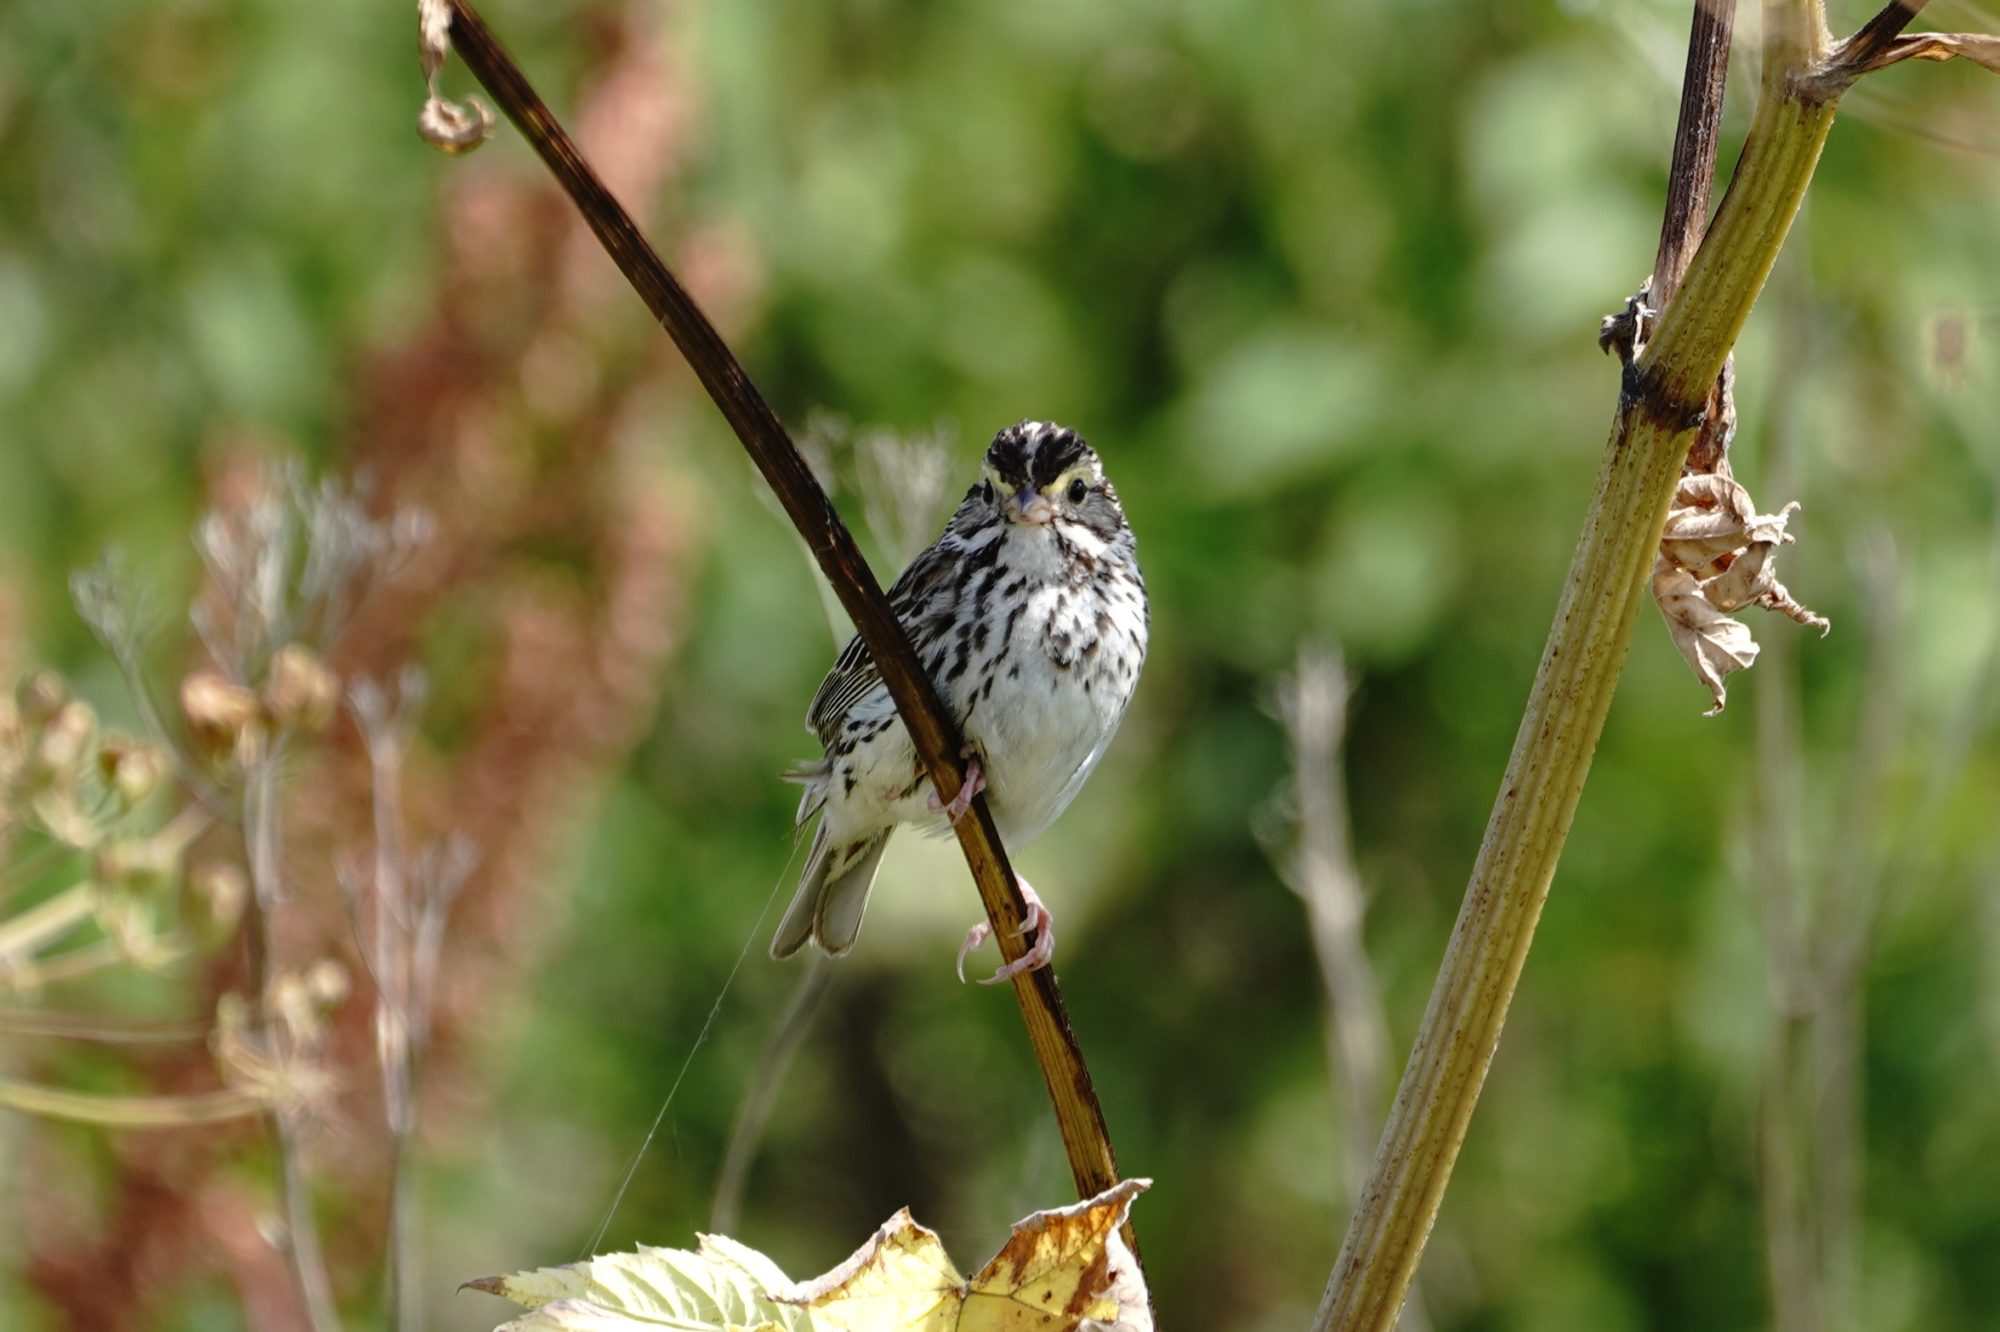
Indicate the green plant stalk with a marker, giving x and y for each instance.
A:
(89, 960)
(1664, 394)
(131, 1112)
(46, 921)
(90, 1027)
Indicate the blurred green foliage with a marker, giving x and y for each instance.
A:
(1321, 282)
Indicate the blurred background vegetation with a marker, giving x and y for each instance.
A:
(1321, 281)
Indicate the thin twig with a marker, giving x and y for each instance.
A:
(1877, 35)
(1773, 852)
(88, 960)
(1830, 1098)
(127, 1112)
(1313, 706)
(1691, 179)
(263, 842)
(1078, 1113)
(1690, 185)
(28, 932)
(762, 1098)
(1879, 44)
(400, 940)
(103, 1030)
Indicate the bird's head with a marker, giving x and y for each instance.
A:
(1040, 475)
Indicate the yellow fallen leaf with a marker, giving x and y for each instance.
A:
(1063, 1270)
(901, 1279)
(1059, 1270)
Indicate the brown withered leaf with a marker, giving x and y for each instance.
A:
(1713, 644)
(1718, 555)
(1711, 520)
(451, 127)
(1980, 48)
(1752, 580)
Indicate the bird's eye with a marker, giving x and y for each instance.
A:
(1077, 490)
(986, 492)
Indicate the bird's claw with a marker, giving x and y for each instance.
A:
(974, 783)
(973, 938)
(1039, 954)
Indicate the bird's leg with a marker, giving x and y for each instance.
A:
(974, 783)
(1039, 955)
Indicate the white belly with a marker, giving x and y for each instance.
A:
(1043, 726)
(1041, 708)
(1040, 742)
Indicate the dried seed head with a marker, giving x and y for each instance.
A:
(133, 770)
(141, 865)
(302, 693)
(263, 1065)
(292, 1009)
(221, 716)
(220, 890)
(232, 1017)
(40, 697)
(298, 1002)
(64, 742)
(326, 983)
(128, 920)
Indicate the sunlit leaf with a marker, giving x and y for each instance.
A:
(1063, 1270)
(723, 1286)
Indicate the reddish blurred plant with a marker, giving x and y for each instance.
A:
(457, 420)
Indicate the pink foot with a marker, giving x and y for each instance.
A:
(974, 783)
(1039, 954)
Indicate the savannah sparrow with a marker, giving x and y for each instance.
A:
(1030, 616)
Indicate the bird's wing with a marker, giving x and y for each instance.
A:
(854, 673)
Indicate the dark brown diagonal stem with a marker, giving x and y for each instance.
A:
(1690, 183)
(1691, 179)
(1877, 34)
(1078, 1114)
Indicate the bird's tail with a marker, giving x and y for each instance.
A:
(833, 892)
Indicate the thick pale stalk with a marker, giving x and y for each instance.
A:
(127, 1112)
(1664, 393)
(46, 921)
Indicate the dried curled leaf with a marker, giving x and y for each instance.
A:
(1713, 644)
(1718, 555)
(450, 127)
(1059, 1270)
(1980, 48)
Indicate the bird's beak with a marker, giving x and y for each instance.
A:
(1031, 506)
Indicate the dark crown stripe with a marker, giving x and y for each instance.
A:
(1035, 451)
